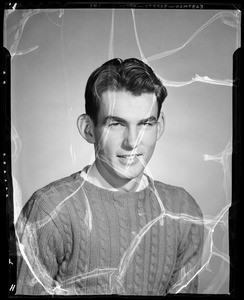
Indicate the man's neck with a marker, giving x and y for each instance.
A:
(92, 174)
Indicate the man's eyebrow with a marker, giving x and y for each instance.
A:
(151, 119)
(113, 118)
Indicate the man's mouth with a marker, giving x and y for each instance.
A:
(131, 156)
(129, 159)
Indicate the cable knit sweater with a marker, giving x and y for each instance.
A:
(77, 238)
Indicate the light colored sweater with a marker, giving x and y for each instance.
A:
(79, 239)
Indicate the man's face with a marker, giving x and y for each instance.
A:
(125, 135)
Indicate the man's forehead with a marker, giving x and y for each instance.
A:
(123, 101)
(130, 108)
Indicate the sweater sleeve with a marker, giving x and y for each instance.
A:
(190, 246)
(40, 246)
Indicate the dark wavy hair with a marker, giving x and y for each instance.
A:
(131, 75)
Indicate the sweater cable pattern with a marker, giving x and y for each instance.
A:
(104, 258)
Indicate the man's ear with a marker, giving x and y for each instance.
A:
(85, 126)
(160, 125)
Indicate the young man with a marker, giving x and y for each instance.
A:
(112, 229)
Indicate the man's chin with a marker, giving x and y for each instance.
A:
(129, 175)
(118, 175)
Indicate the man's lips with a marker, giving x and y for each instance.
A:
(129, 155)
(129, 159)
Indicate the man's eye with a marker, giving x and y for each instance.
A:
(147, 124)
(115, 124)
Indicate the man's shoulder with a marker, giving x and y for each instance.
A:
(52, 194)
(66, 183)
(167, 187)
(177, 199)
(167, 190)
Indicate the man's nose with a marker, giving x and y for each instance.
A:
(131, 138)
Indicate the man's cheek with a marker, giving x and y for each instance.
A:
(149, 141)
(105, 136)
(149, 149)
(101, 139)
(106, 148)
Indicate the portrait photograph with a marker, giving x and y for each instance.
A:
(122, 122)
